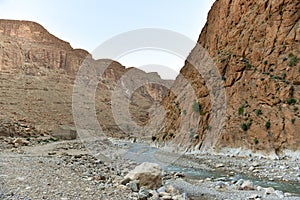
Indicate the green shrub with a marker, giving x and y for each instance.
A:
(244, 127)
(291, 101)
(293, 120)
(196, 107)
(258, 112)
(184, 112)
(248, 65)
(268, 124)
(241, 110)
(293, 60)
(255, 140)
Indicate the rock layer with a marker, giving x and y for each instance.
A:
(255, 45)
(37, 73)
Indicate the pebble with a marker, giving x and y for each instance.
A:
(251, 168)
(269, 190)
(219, 165)
(255, 164)
(247, 185)
(239, 182)
(161, 194)
(254, 196)
(83, 176)
(167, 197)
(259, 188)
(279, 194)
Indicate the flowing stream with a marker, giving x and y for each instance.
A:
(140, 152)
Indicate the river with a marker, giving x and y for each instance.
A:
(142, 152)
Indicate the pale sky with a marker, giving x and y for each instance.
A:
(88, 23)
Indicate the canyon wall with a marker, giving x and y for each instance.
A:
(37, 74)
(255, 46)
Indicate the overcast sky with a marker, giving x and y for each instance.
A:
(88, 23)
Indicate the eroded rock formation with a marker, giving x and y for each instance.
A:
(255, 45)
(37, 73)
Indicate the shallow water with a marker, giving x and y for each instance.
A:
(201, 174)
(139, 153)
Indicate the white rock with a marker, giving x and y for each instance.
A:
(254, 196)
(178, 174)
(208, 179)
(169, 197)
(239, 182)
(259, 188)
(269, 190)
(170, 189)
(280, 194)
(219, 165)
(148, 175)
(20, 141)
(178, 197)
(161, 189)
(247, 185)
(161, 194)
(287, 194)
(121, 187)
(255, 164)
(251, 168)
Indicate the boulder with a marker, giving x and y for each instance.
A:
(148, 175)
(247, 185)
(20, 141)
(269, 190)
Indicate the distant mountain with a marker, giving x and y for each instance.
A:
(37, 73)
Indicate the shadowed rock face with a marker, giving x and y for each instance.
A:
(37, 73)
(255, 45)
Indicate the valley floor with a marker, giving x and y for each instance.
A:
(65, 170)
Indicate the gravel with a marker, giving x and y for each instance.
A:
(65, 170)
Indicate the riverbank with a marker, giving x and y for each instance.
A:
(67, 170)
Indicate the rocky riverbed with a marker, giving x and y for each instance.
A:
(49, 169)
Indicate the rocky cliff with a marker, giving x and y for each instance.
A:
(28, 45)
(37, 73)
(255, 46)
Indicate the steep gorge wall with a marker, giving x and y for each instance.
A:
(255, 45)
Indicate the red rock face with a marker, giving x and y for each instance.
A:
(27, 45)
(37, 73)
(255, 45)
